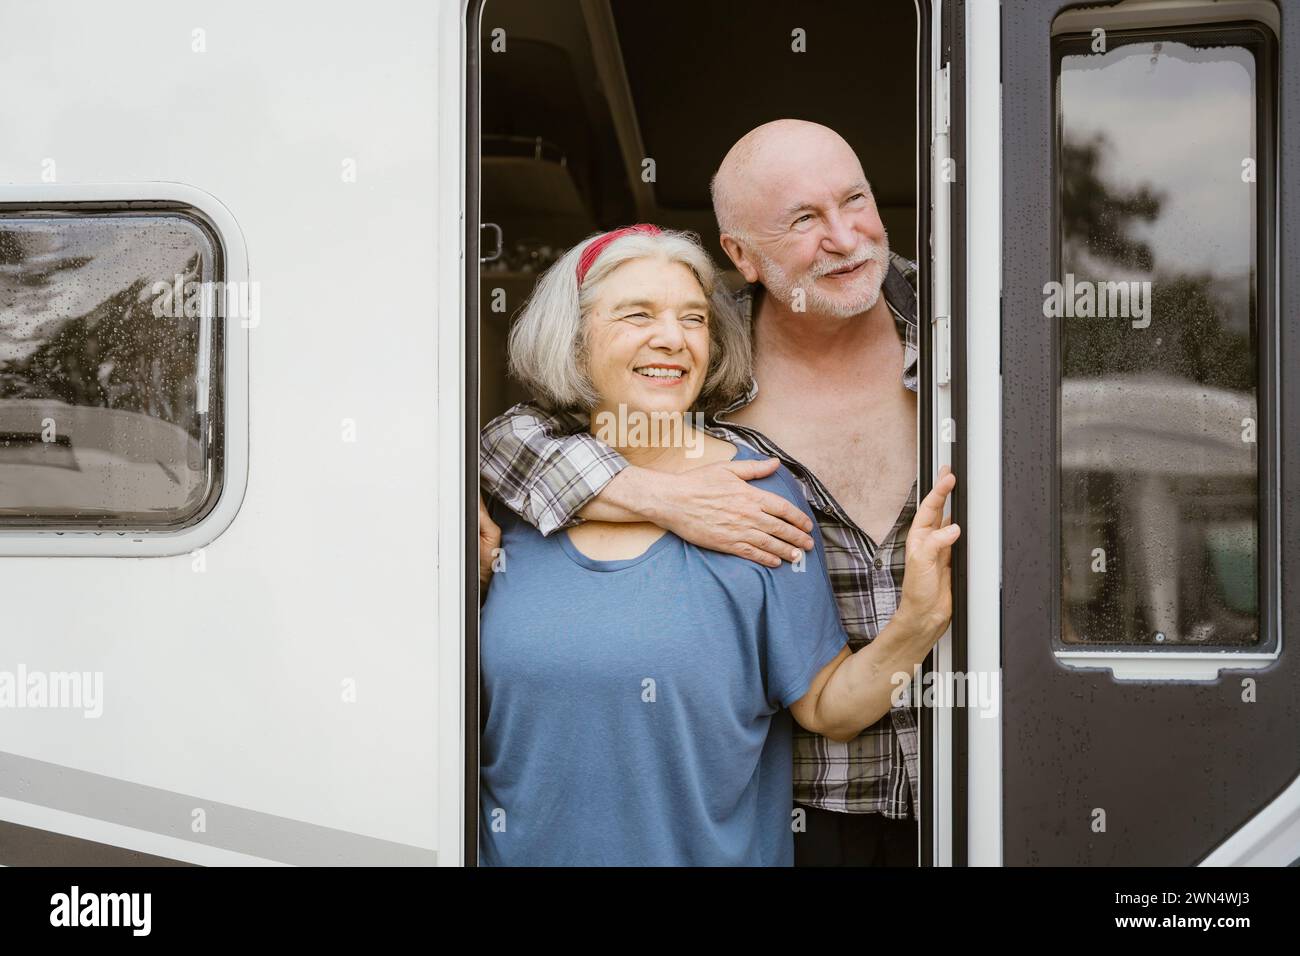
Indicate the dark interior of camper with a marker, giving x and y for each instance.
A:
(577, 94)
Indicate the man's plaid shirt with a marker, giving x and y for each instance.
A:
(546, 467)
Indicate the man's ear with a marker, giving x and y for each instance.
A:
(739, 257)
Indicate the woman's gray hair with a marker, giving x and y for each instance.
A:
(548, 343)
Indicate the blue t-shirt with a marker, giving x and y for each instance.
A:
(635, 709)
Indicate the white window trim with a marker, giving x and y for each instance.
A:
(1173, 665)
(30, 542)
(1154, 14)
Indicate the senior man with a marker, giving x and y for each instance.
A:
(837, 363)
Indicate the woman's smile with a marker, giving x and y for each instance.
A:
(660, 375)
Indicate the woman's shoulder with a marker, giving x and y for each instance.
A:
(711, 450)
(781, 482)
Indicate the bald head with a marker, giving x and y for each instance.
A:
(759, 170)
(797, 216)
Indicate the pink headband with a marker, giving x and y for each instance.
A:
(596, 247)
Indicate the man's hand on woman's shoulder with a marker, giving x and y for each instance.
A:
(715, 507)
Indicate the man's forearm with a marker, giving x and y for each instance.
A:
(631, 495)
(544, 466)
(861, 690)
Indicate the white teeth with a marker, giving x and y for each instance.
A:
(660, 372)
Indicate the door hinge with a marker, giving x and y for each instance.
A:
(942, 349)
(943, 106)
(941, 235)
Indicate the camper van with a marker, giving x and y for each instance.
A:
(258, 268)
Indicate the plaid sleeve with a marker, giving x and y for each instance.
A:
(902, 297)
(543, 466)
(911, 359)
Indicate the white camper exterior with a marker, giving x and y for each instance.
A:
(281, 682)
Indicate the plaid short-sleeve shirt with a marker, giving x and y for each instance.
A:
(546, 467)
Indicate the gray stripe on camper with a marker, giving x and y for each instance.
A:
(32, 846)
(228, 827)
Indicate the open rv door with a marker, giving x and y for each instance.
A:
(1149, 477)
(936, 423)
(960, 692)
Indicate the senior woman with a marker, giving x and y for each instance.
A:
(638, 689)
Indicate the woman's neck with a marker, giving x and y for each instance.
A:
(661, 441)
(654, 457)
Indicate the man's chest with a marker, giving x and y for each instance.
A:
(859, 442)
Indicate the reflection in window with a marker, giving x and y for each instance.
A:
(109, 379)
(1158, 335)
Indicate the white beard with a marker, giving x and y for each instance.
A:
(861, 296)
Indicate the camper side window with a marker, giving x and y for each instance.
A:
(1163, 333)
(110, 378)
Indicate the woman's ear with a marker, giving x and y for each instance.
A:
(739, 257)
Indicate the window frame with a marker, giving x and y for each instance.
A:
(1177, 661)
(230, 333)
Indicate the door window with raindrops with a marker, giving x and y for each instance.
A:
(1163, 337)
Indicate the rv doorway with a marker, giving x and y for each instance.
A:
(594, 114)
